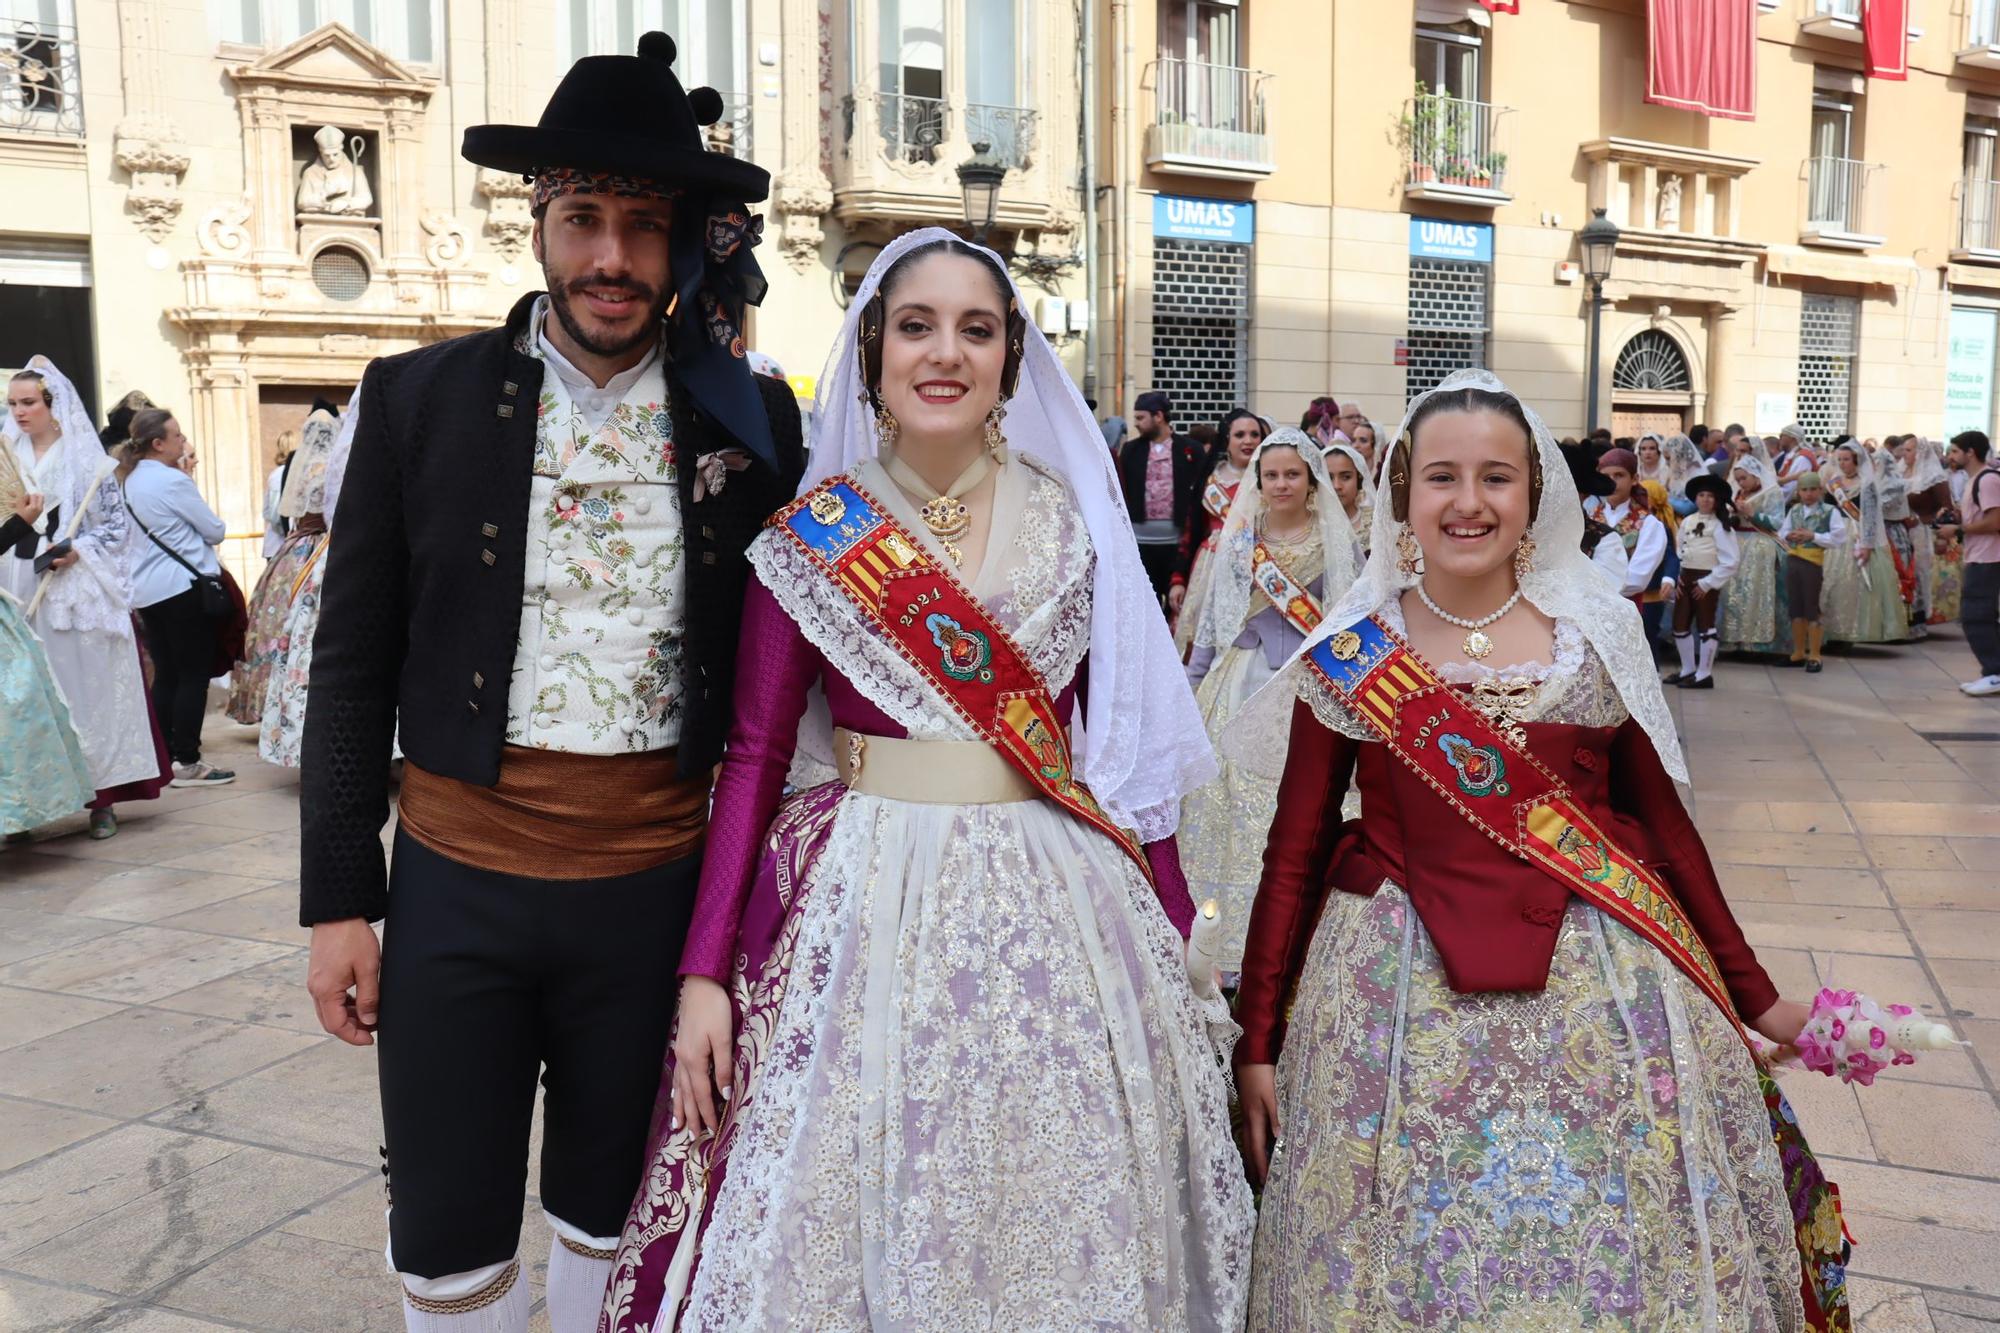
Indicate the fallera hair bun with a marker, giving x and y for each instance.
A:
(707, 105)
(658, 46)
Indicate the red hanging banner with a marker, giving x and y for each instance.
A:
(1885, 34)
(1701, 55)
(1501, 6)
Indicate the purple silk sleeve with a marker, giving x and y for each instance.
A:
(1168, 881)
(775, 670)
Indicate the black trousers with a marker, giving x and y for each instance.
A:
(1979, 613)
(1157, 559)
(182, 641)
(487, 981)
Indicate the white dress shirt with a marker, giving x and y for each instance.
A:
(1648, 548)
(167, 501)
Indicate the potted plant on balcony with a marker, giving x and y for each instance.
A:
(1492, 170)
(1418, 132)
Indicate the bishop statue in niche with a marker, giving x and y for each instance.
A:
(333, 183)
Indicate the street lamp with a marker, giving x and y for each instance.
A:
(1599, 241)
(979, 178)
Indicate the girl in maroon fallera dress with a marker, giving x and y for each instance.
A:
(1493, 1069)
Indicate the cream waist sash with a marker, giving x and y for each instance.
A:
(928, 772)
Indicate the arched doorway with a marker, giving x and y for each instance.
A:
(1652, 388)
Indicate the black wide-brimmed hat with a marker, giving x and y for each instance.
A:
(1707, 481)
(628, 116)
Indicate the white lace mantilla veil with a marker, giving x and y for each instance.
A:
(1562, 584)
(305, 488)
(1770, 491)
(336, 460)
(1681, 462)
(1229, 597)
(1869, 530)
(83, 461)
(1144, 746)
(1926, 468)
(1367, 497)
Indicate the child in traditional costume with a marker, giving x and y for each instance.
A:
(966, 1083)
(1812, 529)
(1348, 470)
(1643, 535)
(1499, 1076)
(1940, 561)
(1285, 553)
(1753, 614)
(1862, 600)
(1708, 553)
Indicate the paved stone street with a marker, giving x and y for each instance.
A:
(182, 1149)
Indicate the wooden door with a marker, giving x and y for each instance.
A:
(1633, 422)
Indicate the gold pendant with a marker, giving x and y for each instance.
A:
(945, 517)
(1477, 645)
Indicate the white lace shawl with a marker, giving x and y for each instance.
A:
(1144, 746)
(305, 488)
(336, 461)
(1561, 583)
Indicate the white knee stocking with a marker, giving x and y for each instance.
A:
(482, 1302)
(1684, 645)
(579, 1271)
(1710, 641)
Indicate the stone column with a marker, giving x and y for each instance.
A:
(1725, 400)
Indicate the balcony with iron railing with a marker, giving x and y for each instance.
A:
(1209, 120)
(41, 86)
(1839, 203)
(1455, 150)
(1838, 19)
(898, 158)
(1978, 235)
(731, 134)
(1982, 35)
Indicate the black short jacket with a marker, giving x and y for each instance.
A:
(421, 606)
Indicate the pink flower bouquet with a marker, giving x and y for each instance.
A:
(1850, 1036)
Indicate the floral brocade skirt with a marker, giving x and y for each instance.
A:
(1863, 602)
(1753, 617)
(264, 644)
(1947, 578)
(43, 774)
(1595, 1155)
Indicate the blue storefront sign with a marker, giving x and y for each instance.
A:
(1435, 238)
(1181, 218)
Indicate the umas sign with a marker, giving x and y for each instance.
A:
(1434, 238)
(1180, 218)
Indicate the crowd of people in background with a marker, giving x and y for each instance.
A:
(1764, 547)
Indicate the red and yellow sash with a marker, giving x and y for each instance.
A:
(1294, 603)
(1505, 792)
(942, 630)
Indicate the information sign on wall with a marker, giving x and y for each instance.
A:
(1435, 238)
(1179, 217)
(1968, 370)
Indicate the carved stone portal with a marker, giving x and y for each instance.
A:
(508, 219)
(148, 147)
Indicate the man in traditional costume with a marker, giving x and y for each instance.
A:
(556, 641)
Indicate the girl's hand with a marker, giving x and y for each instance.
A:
(28, 508)
(1780, 1024)
(1257, 1094)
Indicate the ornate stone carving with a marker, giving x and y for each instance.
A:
(1667, 205)
(148, 148)
(448, 245)
(805, 196)
(335, 183)
(222, 232)
(508, 220)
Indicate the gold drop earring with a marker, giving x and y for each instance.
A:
(1524, 557)
(996, 443)
(1409, 555)
(886, 427)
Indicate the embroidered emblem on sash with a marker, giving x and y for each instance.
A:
(1480, 768)
(826, 508)
(1049, 755)
(966, 652)
(1345, 645)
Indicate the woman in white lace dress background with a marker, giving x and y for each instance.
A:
(938, 1064)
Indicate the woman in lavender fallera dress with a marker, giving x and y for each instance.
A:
(968, 1084)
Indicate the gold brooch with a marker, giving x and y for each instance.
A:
(856, 743)
(1346, 645)
(826, 508)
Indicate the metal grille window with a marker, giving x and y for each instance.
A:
(1827, 342)
(1448, 314)
(340, 274)
(1201, 297)
(1651, 362)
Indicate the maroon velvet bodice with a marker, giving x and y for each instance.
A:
(1492, 916)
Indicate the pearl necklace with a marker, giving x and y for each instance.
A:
(1476, 645)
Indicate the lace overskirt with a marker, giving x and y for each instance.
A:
(43, 774)
(1754, 616)
(1225, 824)
(1858, 609)
(989, 1101)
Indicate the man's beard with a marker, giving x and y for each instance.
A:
(559, 295)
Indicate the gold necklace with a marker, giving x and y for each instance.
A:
(947, 516)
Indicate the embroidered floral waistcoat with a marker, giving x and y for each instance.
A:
(597, 669)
